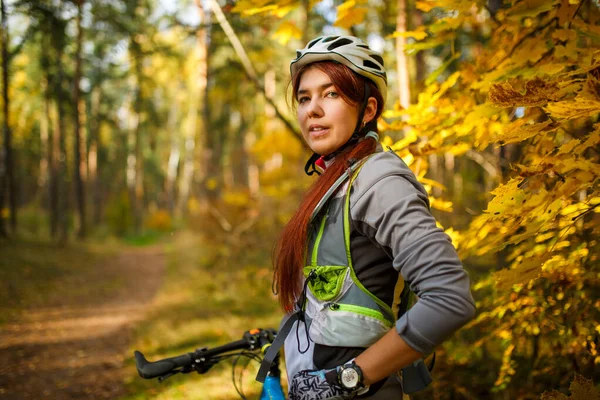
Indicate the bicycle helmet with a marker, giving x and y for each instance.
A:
(347, 50)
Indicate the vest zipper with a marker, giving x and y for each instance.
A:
(359, 310)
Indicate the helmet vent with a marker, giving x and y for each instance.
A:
(339, 43)
(377, 58)
(349, 51)
(371, 64)
(311, 44)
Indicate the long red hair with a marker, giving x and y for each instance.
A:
(290, 250)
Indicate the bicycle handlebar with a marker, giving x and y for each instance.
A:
(149, 370)
(202, 359)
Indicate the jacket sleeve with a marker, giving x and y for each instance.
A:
(393, 210)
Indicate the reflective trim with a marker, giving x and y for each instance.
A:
(346, 211)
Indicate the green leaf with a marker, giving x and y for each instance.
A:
(433, 76)
(448, 23)
(432, 42)
(531, 8)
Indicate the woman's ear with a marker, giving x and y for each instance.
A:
(370, 110)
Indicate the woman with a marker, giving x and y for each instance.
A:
(363, 225)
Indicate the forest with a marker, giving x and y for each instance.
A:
(130, 125)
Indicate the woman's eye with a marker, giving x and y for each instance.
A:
(302, 100)
(331, 94)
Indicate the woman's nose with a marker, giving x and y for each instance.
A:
(314, 108)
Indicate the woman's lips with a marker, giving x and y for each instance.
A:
(317, 131)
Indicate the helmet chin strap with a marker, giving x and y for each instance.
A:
(311, 164)
(360, 133)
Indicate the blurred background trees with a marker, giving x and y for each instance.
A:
(132, 117)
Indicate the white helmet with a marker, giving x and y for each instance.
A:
(347, 50)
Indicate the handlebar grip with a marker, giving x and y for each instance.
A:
(149, 370)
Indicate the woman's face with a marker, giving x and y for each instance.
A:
(326, 120)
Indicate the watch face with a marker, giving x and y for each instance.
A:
(349, 378)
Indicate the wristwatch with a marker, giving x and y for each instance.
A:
(350, 376)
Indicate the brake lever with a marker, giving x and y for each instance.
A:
(167, 376)
(203, 367)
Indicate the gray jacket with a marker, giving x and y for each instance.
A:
(392, 231)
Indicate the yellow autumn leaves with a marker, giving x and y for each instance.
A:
(349, 13)
(537, 92)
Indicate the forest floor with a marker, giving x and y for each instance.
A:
(66, 326)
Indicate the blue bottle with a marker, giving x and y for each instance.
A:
(272, 389)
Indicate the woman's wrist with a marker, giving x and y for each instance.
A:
(386, 356)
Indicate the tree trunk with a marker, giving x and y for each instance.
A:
(7, 178)
(402, 63)
(237, 155)
(5, 143)
(435, 172)
(79, 149)
(3, 232)
(44, 139)
(420, 63)
(95, 184)
(63, 186)
(53, 151)
(134, 158)
(139, 169)
(253, 170)
(449, 166)
(197, 113)
(132, 161)
(213, 149)
(305, 21)
(48, 131)
(187, 177)
(174, 156)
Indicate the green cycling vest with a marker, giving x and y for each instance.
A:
(341, 311)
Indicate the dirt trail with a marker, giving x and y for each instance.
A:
(77, 350)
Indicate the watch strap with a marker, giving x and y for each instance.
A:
(331, 377)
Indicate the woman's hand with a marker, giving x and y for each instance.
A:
(318, 385)
(386, 356)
